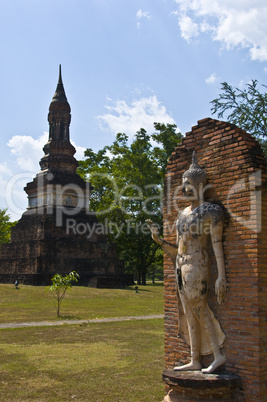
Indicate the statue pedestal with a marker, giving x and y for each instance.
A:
(194, 386)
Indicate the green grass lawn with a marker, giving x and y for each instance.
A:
(118, 361)
(98, 362)
(33, 303)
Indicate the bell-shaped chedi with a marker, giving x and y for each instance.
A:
(58, 233)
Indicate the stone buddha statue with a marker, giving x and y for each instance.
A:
(198, 225)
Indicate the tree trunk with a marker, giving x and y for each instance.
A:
(144, 277)
(58, 308)
(138, 278)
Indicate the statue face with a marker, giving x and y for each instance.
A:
(188, 189)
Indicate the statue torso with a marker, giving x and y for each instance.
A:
(193, 228)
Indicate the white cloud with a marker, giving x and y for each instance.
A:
(189, 28)
(239, 23)
(27, 150)
(79, 151)
(212, 79)
(141, 15)
(142, 113)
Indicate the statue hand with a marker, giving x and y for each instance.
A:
(220, 289)
(154, 229)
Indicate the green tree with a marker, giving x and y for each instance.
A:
(246, 108)
(168, 139)
(60, 285)
(128, 185)
(5, 226)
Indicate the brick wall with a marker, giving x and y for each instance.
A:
(237, 172)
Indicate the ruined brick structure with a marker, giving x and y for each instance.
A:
(58, 234)
(237, 172)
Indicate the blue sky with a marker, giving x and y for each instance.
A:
(125, 64)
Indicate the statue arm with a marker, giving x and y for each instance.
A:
(169, 248)
(220, 284)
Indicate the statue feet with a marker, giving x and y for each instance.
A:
(189, 367)
(219, 361)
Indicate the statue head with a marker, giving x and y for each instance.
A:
(194, 179)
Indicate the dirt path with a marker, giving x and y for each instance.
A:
(73, 322)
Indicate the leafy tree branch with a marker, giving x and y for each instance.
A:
(245, 108)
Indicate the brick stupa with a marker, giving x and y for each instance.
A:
(58, 233)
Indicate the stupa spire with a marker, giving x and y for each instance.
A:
(59, 114)
(58, 150)
(60, 95)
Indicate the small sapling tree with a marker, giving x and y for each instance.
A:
(60, 285)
